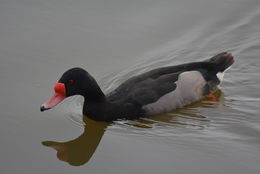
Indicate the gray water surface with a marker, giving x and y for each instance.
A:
(114, 40)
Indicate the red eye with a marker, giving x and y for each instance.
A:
(70, 81)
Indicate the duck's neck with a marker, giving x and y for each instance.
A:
(95, 95)
(92, 92)
(94, 102)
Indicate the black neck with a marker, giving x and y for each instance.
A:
(93, 92)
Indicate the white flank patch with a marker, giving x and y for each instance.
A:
(189, 89)
(220, 76)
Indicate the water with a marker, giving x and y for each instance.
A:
(115, 40)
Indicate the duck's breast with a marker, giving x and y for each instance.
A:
(189, 89)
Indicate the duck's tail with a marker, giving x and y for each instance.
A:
(222, 61)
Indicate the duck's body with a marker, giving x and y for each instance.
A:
(154, 92)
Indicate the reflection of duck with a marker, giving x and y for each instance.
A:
(79, 151)
(155, 92)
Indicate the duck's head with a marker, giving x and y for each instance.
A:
(75, 81)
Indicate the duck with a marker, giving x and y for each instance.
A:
(155, 92)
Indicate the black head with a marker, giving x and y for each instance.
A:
(75, 81)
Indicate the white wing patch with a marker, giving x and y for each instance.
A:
(189, 89)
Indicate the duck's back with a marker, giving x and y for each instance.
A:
(164, 89)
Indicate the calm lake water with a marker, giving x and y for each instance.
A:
(114, 40)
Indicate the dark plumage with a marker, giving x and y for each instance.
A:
(157, 91)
